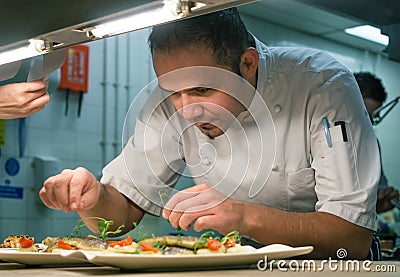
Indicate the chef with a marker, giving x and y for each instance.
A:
(277, 141)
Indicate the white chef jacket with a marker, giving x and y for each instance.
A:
(276, 156)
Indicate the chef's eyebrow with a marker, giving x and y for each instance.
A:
(170, 91)
(190, 89)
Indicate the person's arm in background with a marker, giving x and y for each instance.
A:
(23, 99)
(385, 192)
(385, 195)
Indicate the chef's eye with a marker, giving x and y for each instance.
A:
(202, 90)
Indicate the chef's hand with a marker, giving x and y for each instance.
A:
(23, 99)
(71, 190)
(383, 203)
(207, 208)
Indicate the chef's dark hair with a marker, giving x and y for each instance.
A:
(370, 86)
(223, 31)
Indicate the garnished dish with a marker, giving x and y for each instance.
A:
(171, 251)
(164, 245)
(207, 243)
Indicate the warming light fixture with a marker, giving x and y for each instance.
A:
(368, 32)
(33, 48)
(161, 12)
(143, 14)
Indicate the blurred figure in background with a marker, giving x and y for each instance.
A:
(23, 99)
(374, 95)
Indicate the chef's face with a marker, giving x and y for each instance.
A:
(208, 108)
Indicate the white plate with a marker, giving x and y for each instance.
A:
(35, 258)
(158, 261)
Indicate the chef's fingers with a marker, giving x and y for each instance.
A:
(174, 219)
(33, 86)
(207, 221)
(55, 191)
(43, 194)
(196, 214)
(175, 203)
(77, 184)
(34, 106)
(38, 85)
(175, 214)
(84, 190)
(179, 197)
(194, 206)
(90, 196)
(40, 99)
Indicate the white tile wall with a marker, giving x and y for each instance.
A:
(45, 147)
(64, 144)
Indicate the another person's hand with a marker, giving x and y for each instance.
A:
(384, 196)
(207, 208)
(23, 99)
(71, 190)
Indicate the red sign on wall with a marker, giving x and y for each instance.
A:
(74, 71)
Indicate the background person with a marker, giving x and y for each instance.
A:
(374, 94)
(309, 198)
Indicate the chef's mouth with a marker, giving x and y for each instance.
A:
(204, 125)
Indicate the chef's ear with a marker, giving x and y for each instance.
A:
(249, 63)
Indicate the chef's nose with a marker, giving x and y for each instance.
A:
(191, 111)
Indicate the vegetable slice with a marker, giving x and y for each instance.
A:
(25, 243)
(146, 247)
(64, 245)
(124, 242)
(213, 244)
(230, 242)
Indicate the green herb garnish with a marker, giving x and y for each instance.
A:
(233, 234)
(210, 234)
(203, 240)
(103, 226)
(162, 194)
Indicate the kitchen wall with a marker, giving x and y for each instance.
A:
(119, 68)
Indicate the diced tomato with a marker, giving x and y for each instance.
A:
(64, 245)
(124, 242)
(146, 247)
(25, 243)
(113, 243)
(213, 244)
(230, 242)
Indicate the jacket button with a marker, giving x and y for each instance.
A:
(206, 162)
(277, 108)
